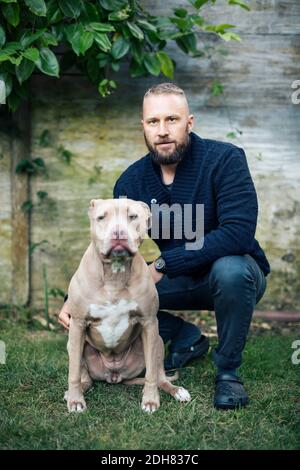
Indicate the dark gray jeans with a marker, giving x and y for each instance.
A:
(232, 288)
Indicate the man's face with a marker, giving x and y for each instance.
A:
(166, 124)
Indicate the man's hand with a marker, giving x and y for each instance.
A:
(64, 317)
(156, 276)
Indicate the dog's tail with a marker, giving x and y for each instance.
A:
(141, 380)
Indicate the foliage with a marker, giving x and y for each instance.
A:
(94, 36)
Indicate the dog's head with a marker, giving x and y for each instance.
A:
(118, 226)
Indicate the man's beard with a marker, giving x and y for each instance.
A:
(176, 156)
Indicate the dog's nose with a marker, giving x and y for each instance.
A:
(119, 234)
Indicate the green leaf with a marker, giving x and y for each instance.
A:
(31, 54)
(13, 102)
(120, 48)
(70, 8)
(103, 87)
(47, 62)
(152, 64)
(103, 59)
(38, 7)
(102, 27)
(119, 15)
(218, 28)
(27, 206)
(80, 40)
(8, 1)
(135, 31)
(103, 41)
(73, 35)
(48, 39)
(217, 88)
(180, 12)
(240, 4)
(86, 41)
(28, 37)
(111, 5)
(11, 12)
(2, 37)
(45, 139)
(8, 51)
(188, 43)
(198, 3)
(15, 60)
(167, 66)
(137, 51)
(24, 70)
(184, 24)
(231, 135)
(147, 26)
(53, 12)
(229, 36)
(89, 12)
(65, 154)
(115, 66)
(136, 69)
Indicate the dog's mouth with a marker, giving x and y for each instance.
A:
(119, 250)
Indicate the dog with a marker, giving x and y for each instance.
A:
(113, 303)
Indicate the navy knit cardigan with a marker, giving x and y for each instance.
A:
(215, 174)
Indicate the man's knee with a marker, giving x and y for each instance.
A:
(230, 272)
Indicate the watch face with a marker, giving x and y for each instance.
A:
(160, 264)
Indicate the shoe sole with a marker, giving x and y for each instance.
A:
(234, 406)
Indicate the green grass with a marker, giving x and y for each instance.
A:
(33, 414)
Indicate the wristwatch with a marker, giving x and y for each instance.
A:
(160, 265)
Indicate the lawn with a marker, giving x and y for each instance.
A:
(33, 414)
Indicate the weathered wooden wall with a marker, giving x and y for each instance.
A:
(256, 74)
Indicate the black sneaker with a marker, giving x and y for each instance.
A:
(178, 359)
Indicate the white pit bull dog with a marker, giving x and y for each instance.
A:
(113, 303)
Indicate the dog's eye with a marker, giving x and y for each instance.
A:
(133, 216)
(100, 217)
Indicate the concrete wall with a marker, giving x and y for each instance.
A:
(256, 74)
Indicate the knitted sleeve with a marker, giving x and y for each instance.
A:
(237, 210)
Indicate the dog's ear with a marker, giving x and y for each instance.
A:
(93, 203)
(148, 215)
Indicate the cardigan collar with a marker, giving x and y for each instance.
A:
(185, 174)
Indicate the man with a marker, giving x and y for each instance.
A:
(227, 271)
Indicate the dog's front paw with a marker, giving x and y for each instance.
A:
(76, 403)
(150, 402)
(150, 406)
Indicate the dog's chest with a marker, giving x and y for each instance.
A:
(114, 319)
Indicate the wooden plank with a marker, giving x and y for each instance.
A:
(5, 212)
(20, 149)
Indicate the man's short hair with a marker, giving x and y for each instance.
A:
(164, 89)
